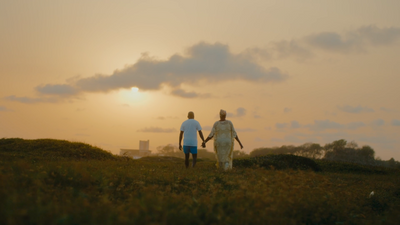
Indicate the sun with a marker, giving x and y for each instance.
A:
(132, 94)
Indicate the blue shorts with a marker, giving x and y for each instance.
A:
(190, 149)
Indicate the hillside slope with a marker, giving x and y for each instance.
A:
(50, 149)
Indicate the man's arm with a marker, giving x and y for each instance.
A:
(211, 135)
(180, 140)
(202, 138)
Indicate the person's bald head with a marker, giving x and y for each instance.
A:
(191, 115)
(222, 114)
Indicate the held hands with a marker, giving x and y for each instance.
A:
(203, 144)
(241, 146)
(180, 147)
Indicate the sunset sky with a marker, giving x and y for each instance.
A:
(111, 73)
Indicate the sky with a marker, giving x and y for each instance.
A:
(112, 73)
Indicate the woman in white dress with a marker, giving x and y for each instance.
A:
(224, 134)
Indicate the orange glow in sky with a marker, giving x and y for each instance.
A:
(113, 73)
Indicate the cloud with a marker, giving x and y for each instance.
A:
(355, 125)
(205, 63)
(57, 89)
(387, 109)
(279, 50)
(245, 129)
(396, 123)
(378, 123)
(287, 110)
(256, 116)
(29, 100)
(157, 130)
(4, 109)
(324, 125)
(281, 125)
(317, 125)
(356, 109)
(351, 41)
(379, 36)
(184, 94)
(294, 124)
(202, 62)
(332, 41)
(354, 40)
(287, 48)
(321, 125)
(239, 112)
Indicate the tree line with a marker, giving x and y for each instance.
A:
(339, 150)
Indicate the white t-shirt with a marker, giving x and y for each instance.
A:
(190, 128)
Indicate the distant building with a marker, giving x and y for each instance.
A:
(137, 153)
(144, 145)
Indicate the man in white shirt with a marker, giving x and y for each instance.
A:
(189, 130)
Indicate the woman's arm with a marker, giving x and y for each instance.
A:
(235, 134)
(237, 139)
(210, 136)
(204, 142)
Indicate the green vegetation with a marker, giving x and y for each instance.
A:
(49, 149)
(337, 151)
(354, 168)
(59, 182)
(278, 162)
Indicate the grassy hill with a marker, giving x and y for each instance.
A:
(61, 182)
(50, 149)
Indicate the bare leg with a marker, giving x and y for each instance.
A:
(187, 160)
(194, 159)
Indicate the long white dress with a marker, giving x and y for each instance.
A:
(224, 135)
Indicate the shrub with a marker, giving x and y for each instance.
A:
(280, 162)
(346, 167)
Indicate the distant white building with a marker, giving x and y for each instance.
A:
(137, 153)
(144, 145)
